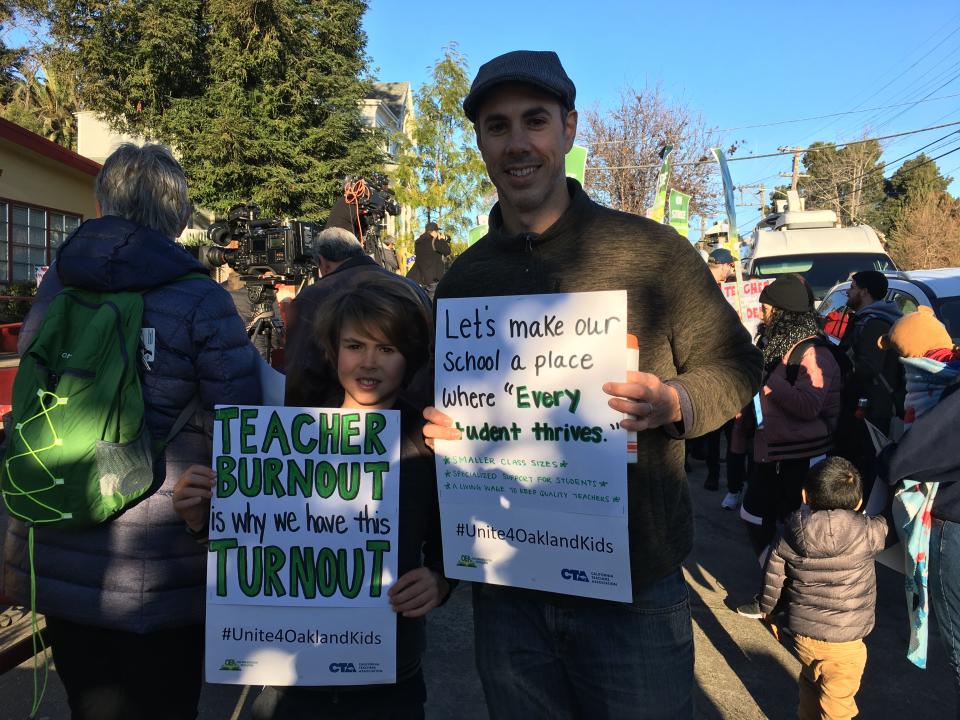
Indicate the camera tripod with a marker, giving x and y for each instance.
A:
(266, 329)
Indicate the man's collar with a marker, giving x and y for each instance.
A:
(569, 220)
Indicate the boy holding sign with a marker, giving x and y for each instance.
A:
(376, 335)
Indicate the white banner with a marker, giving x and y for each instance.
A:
(751, 301)
(303, 535)
(535, 494)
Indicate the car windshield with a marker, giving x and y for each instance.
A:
(821, 271)
(949, 313)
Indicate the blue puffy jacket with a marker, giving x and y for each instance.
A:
(141, 572)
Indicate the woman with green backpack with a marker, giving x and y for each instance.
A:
(128, 343)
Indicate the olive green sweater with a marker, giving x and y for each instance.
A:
(688, 334)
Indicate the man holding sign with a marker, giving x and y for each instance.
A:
(549, 655)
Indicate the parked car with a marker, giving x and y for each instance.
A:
(937, 289)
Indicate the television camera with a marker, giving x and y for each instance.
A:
(372, 200)
(267, 253)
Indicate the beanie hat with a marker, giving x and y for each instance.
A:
(540, 68)
(916, 334)
(788, 292)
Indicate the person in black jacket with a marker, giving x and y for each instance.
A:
(823, 566)
(431, 249)
(928, 453)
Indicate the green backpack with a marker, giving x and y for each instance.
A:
(78, 451)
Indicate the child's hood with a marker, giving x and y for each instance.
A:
(826, 533)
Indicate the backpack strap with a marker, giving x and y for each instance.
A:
(182, 419)
(796, 357)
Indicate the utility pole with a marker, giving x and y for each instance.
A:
(796, 174)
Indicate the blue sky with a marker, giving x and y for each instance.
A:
(736, 63)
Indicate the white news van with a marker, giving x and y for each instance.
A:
(811, 243)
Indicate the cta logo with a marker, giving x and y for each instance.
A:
(341, 667)
(466, 561)
(230, 664)
(572, 574)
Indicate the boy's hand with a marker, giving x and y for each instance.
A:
(191, 496)
(651, 402)
(418, 592)
(439, 426)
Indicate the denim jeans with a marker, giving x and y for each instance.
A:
(944, 585)
(598, 660)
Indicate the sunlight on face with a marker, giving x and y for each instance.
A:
(370, 369)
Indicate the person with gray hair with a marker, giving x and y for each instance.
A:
(145, 185)
(343, 264)
(129, 594)
(334, 246)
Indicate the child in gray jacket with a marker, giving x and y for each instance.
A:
(823, 565)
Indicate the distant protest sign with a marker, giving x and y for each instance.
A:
(751, 301)
(303, 546)
(535, 493)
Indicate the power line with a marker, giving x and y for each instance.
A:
(866, 186)
(883, 179)
(798, 120)
(777, 154)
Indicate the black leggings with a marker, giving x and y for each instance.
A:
(773, 492)
(117, 675)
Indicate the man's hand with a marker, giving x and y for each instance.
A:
(191, 496)
(439, 426)
(418, 592)
(644, 396)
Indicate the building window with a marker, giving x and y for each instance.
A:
(28, 238)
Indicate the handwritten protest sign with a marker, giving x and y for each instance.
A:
(751, 301)
(534, 495)
(303, 535)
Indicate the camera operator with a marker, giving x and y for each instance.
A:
(362, 208)
(431, 248)
(390, 260)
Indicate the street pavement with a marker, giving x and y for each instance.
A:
(742, 672)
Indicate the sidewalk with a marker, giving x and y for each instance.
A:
(742, 672)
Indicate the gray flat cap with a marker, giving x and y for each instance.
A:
(540, 68)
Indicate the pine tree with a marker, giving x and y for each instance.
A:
(259, 98)
(913, 183)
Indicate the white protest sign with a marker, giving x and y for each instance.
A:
(303, 546)
(535, 494)
(751, 301)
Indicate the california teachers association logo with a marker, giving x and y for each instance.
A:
(231, 665)
(471, 561)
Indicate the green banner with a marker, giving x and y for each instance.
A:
(476, 233)
(656, 212)
(680, 212)
(576, 163)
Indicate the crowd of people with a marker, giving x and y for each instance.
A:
(360, 337)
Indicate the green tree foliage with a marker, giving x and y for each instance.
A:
(848, 180)
(909, 187)
(441, 171)
(9, 57)
(259, 98)
(44, 100)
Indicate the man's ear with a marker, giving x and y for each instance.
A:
(570, 129)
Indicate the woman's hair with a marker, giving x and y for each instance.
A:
(381, 307)
(145, 185)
